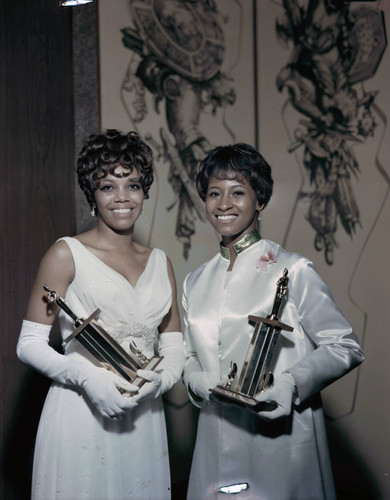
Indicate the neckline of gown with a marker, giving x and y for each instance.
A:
(114, 270)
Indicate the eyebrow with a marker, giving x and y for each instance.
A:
(127, 177)
(232, 187)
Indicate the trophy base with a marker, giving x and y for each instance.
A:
(243, 399)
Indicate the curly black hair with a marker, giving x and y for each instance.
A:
(103, 153)
(237, 161)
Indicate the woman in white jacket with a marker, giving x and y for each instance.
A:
(280, 454)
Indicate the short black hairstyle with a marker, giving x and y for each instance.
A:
(103, 153)
(235, 161)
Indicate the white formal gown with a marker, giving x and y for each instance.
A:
(280, 460)
(80, 455)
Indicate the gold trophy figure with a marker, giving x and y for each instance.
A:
(256, 376)
(103, 347)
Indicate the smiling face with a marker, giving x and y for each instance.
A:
(119, 199)
(231, 207)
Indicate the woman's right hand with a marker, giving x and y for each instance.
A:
(103, 387)
(201, 382)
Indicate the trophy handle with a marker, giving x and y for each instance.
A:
(82, 324)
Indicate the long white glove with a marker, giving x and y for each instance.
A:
(282, 393)
(200, 384)
(100, 385)
(168, 372)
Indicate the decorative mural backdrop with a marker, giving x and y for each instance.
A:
(186, 82)
(334, 49)
(323, 123)
(177, 52)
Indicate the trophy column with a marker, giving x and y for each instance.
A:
(256, 375)
(103, 347)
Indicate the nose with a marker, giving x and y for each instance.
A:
(122, 194)
(224, 202)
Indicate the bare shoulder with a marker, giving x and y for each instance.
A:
(169, 265)
(56, 270)
(58, 255)
(57, 267)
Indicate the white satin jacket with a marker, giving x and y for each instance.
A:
(280, 460)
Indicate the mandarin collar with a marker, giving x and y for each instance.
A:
(245, 242)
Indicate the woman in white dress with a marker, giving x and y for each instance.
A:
(94, 442)
(279, 454)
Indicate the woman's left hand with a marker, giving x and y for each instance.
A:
(151, 388)
(282, 394)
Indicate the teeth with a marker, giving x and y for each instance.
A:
(122, 210)
(226, 217)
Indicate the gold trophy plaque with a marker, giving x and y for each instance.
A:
(256, 376)
(103, 347)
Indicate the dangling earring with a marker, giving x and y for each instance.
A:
(259, 216)
(93, 211)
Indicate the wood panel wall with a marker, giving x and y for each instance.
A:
(37, 201)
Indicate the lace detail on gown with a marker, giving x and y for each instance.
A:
(123, 335)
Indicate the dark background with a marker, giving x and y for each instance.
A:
(37, 144)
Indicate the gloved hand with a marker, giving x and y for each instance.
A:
(103, 390)
(168, 371)
(171, 347)
(200, 384)
(151, 388)
(282, 393)
(101, 386)
(221, 400)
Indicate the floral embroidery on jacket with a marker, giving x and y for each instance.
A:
(264, 261)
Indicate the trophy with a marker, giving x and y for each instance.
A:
(256, 376)
(103, 347)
